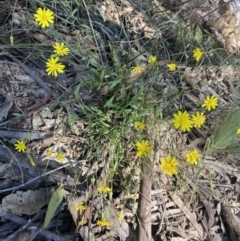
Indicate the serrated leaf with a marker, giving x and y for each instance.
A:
(55, 201)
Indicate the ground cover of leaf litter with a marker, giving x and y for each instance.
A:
(51, 114)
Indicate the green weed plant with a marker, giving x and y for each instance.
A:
(225, 137)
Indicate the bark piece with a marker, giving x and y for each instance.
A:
(144, 210)
(232, 223)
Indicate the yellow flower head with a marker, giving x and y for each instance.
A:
(169, 166)
(103, 223)
(104, 189)
(48, 153)
(44, 17)
(20, 146)
(60, 49)
(80, 207)
(198, 119)
(172, 66)
(182, 121)
(152, 59)
(60, 156)
(137, 69)
(143, 148)
(53, 67)
(139, 125)
(238, 131)
(197, 54)
(211, 102)
(82, 222)
(192, 157)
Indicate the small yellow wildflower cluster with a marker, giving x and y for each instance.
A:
(59, 156)
(172, 66)
(103, 223)
(80, 207)
(139, 125)
(20, 146)
(139, 69)
(184, 122)
(45, 17)
(169, 164)
(152, 59)
(192, 157)
(210, 103)
(104, 189)
(197, 54)
(143, 148)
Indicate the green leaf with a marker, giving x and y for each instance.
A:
(55, 201)
(76, 92)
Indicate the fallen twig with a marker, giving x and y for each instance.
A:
(24, 135)
(41, 102)
(22, 221)
(24, 226)
(33, 180)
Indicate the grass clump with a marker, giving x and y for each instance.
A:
(226, 137)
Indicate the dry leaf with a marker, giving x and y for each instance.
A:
(28, 203)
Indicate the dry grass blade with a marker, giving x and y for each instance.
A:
(178, 201)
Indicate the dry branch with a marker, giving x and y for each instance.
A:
(144, 210)
(30, 173)
(22, 221)
(232, 222)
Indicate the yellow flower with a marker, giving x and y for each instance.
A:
(20, 146)
(197, 54)
(48, 153)
(137, 69)
(182, 121)
(152, 59)
(104, 189)
(211, 102)
(80, 207)
(103, 223)
(82, 222)
(53, 67)
(192, 157)
(172, 66)
(120, 217)
(238, 131)
(169, 165)
(60, 49)
(60, 156)
(44, 17)
(139, 125)
(143, 148)
(198, 119)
